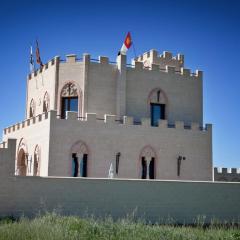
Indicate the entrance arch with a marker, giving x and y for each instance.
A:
(22, 155)
(21, 163)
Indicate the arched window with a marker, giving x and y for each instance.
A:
(148, 162)
(32, 109)
(79, 158)
(36, 161)
(157, 102)
(22, 159)
(69, 99)
(46, 102)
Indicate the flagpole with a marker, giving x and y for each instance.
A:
(134, 50)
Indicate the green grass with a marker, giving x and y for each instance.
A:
(54, 226)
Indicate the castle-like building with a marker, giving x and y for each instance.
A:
(144, 119)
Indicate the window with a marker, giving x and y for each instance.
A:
(144, 168)
(36, 162)
(32, 109)
(69, 99)
(83, 166)
(147, 169)
(148, 157)
(74, 165)
(157, 113)
(158, 101)
(79, 165)
(79, 159)
(69, 104)
(151, 169)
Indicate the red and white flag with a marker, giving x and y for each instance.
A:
(126, 45)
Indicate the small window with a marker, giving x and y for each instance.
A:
(144, 168)
(157, 113)
(148, 160)
(46, 102)
(83, 166)
(74, 165)
(151, 169)
(32, 109)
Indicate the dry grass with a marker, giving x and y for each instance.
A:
(54, 226)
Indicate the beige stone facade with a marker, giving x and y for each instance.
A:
(113, 122)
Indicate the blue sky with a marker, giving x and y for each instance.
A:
(206, 32)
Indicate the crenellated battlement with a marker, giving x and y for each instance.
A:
(221, 170)
(227, 174)
(150, 61)
(163, 60)
(45, 67)
(166, 55)
(168, 69)
(26, 123)
(108, 119)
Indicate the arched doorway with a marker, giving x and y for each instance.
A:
(157, 102)
(22, 158)
(148, 159)
(79, 159)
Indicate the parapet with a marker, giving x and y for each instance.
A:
(227, 174)
(184, 72)
(91, 118)
(151, 60)
(28, 122)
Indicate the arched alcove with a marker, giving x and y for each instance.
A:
(148, 158)
(79, 159)
(32, 109)
(46, 102)
(36, 161)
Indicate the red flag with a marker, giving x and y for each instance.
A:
(38, 58)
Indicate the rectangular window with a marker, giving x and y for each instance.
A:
(151, 169)
(69, 104)
(74, 165)
(157, 112)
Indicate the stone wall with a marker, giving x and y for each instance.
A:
(152, 200)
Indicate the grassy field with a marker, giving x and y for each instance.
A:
(54, 226)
